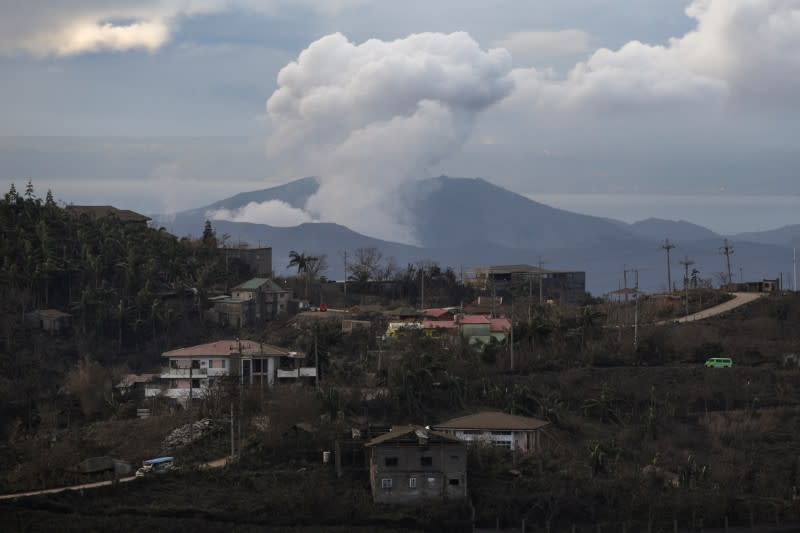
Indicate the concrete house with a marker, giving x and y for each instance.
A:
(195, 370)
(503, 430)
(411, 465)
(250, 303)
(270, 300)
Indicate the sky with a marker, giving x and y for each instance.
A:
(674, 109)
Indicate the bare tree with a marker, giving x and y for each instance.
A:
(367, 264)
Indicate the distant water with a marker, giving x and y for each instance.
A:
(723, 213)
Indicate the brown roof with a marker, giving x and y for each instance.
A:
(226, 348)
(51, 313)
(404, 431)
(493, 420)
(98, 211)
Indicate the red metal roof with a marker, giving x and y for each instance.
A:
(499, 324)
(226, 348)
(493, 420)
(437, 312)
(475, 319)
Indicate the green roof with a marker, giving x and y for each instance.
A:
(256, 283)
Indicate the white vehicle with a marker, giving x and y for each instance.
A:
(159, 465)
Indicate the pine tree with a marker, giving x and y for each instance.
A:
(29, 190)
(12, 195)
(209, 238)
(49, 201)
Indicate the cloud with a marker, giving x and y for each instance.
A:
(46, 28)
(370, 118)
(743, 50)
(273, 213)
(532, 48)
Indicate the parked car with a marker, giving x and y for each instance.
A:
(159, 465)
(719, 362)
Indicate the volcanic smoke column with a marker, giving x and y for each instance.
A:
(370, 119)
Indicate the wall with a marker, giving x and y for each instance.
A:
(432, 481)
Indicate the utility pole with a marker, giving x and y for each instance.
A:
(316, 357)
(686, 264)
(794, 269)
(422, 284)
(541, 297)
(345, 278)
(232, 447)
(636, 311)
(512, 332)
(727, 250)
(530, 298)
(668, 246)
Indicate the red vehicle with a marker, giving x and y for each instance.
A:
(323, 307)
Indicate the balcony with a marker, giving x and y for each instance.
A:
(167, 373)
(302, 372)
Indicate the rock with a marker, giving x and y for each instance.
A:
(187, 434)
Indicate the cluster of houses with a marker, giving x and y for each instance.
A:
(452, 322)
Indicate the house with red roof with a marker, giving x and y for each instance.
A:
(193, 371)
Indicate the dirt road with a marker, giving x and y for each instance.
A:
(217, 463)
(739, 299)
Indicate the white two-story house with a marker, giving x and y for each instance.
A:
(192, 372)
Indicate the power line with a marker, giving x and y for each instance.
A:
(668, 246)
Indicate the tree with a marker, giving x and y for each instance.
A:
(367, 264)
(29, 193)
(305, 264)
(209, 237)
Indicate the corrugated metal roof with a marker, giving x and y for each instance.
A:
(404, 431)
(259, 283)
(226, 348)
(493, 420)
(475, 319)
(499, 324)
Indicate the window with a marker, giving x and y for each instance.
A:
(386, 483)
(412, 483)
(195, 383)
(454, 482)
(257, 366)
(426, 461)
(390, 461)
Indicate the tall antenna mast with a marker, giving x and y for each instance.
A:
(727, 250)
(668, 246)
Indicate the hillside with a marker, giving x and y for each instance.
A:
(465, 223)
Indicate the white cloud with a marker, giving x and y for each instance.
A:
(370, 118)
(739, 48)
(45, 28)
(273, 213)
(537, 48)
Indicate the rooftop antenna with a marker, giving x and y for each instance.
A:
(668, 246)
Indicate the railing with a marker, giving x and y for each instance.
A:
(302, 372)
(183, 372)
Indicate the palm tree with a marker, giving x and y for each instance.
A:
(303, 262)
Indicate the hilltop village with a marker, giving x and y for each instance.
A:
(171, 382)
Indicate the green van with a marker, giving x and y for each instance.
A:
(719, 362)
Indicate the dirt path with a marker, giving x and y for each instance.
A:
(217, 463)
(739, 299)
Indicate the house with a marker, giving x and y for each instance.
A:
(411, 465)
(250, 303)
(49, 320)
(137, 386)
(440, 313)
(193, 372)
(258, 260)
(101, 211)
(503, 430)
(560, 286)
(270, 300)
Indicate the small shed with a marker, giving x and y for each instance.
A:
(49, 320)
